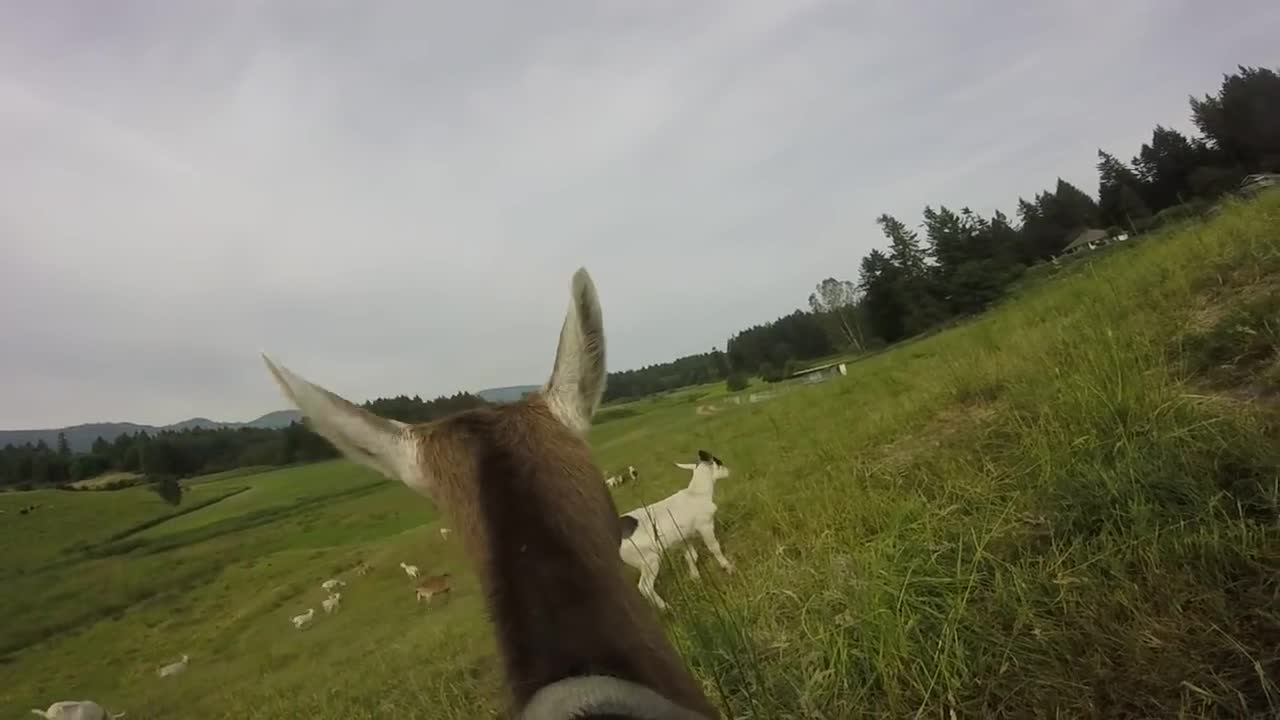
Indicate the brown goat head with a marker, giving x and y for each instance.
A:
(541, 531)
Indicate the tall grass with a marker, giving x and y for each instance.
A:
(1065, 508)
(1040, 514)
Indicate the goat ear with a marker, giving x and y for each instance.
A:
(577, 380)
(368, 439)
(687, 466)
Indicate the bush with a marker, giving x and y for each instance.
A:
(770, 373)
(736, 381)
(168, 488)
(1185, 211)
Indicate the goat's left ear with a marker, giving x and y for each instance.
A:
(377, 442)
(687, 466)
(577, 379)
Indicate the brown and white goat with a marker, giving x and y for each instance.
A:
(432, 586)
(541, 530)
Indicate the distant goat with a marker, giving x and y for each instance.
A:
(649, 531)
(76, 710)
(303, 620)
(363, 569)
(616, 480)
(173, 668)
(410, 570)
(331, 603)
(540, 530)
(332, 583)
(444, 533)
(432, 586)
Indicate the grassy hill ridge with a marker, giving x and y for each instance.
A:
(1066, 507)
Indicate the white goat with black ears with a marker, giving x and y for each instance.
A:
(649, 531)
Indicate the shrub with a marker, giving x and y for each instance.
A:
(736, 381)
(770, 373)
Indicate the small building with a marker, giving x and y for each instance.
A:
(821, 373)
(1085, 240)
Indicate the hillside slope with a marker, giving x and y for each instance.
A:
(1064, 508)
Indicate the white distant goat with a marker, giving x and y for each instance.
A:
(332, 583)
(410, 570)
(173, 668)
(363, 569)
(648, 531)
(331, 603)
(616, 480)
(444, 533)
(76, 710)
(303, 620)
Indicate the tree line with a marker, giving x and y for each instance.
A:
(965, 262)
(961, 265)
(957, 263)
(172, 454)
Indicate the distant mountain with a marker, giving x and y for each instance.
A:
(277, 419)
(81, 437)
(510, 393)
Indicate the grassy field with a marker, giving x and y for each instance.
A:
(1065, 508)
(106, 479)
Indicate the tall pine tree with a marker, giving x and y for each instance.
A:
(1119, 198)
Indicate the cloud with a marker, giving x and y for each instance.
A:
(393, 201)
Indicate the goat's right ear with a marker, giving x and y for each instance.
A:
(577, 380)
(368, 439)
(687, 466)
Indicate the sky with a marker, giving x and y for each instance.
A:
(391, 197)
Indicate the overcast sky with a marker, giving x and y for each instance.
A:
(390, 197)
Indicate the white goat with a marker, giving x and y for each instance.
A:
(173, 668)
(616, 480)
(332, 583)
(410, 570)
(648, 531)
(76, 710)
(444, 533)
(332, 603)
(303, 620)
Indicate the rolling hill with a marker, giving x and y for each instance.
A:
(81, 437)
(511, 393)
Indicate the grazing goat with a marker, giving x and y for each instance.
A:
(434, 585)
(330, 584)
(648, 531)
(444, 533)
(410, 570)
(363, 569)
(331, 603)
(76, 710)
(540, 530)
(173, 668)
(616, 480)
(303, 620)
